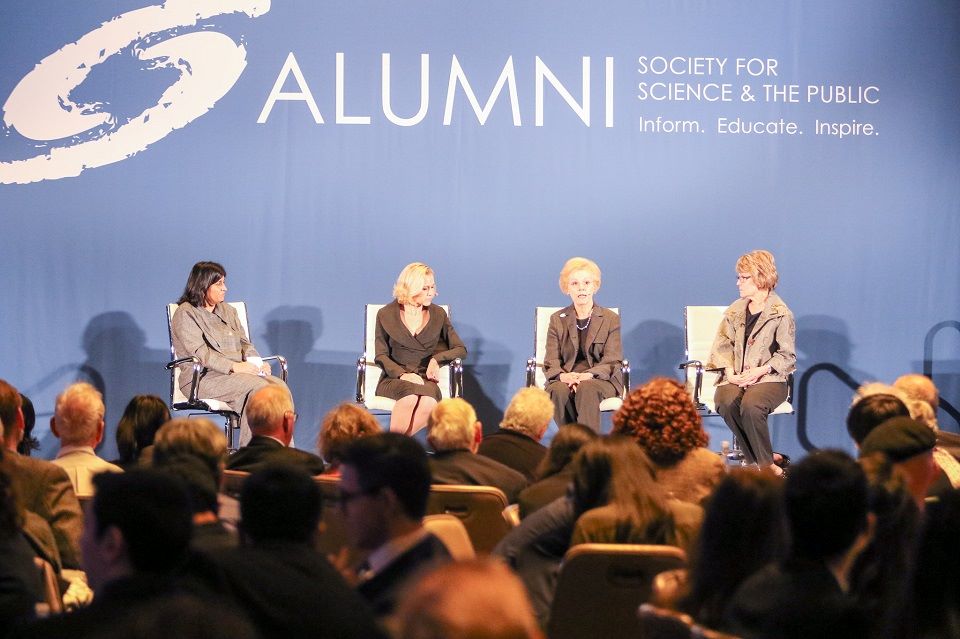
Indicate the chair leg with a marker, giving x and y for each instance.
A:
(231, 427)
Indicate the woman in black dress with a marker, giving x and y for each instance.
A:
(413, 340)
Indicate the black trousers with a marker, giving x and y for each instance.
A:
(745, 410)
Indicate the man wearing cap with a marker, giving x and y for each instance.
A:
(908, 444)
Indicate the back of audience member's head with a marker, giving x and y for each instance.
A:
(194, 472)
(661, 417)
(198, 436)
(826, 504)
(29, 443)
(909, 445)
(138, 426)
(568, 441)
(614, 470)
(341, 426)
(280, 502)
(452, 425)
(919, 387)
(878, 388)
(79, 414)
(10, 404)
(180, 615)
(924, 413)
(394, 461)
(476, 599)
(529, 412)
(151, 509)
(267, 407)
(10, 517)
(871, 411)
(732, 544)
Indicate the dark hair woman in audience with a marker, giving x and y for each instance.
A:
(209, 328)
(661, 417)
(620, 502)
(413, 340)
(141, 419)
(743, 530)
(755, 352)
(556, 469)
(29, 443)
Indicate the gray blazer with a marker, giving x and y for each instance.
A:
(772, 341)
(217, 338)
(604, 352)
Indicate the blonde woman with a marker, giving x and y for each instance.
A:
(413, 340)
(755, 352)
(583, 353)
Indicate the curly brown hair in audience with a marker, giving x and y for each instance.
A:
(661, 417)
(342, 425)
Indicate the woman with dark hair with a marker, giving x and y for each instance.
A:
(555, 471)
(29, 443)
(209, 328)
(661, 417)
(743, 530)
(141, 419)
(616, 490)
(755, 352)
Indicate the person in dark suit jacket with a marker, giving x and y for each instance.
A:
(272, 418)
(384, 486)
(285, 586)
(583, 351)
(455, 435)
(413, 340)
(517, 443)
(42, 487)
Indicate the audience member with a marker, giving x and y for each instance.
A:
(661, 417)
(194, 450)
(555, 472)
(744, 529)
(278, 578)
(478, 599)
(341, 426)
(806, 595)
(455, 434)
(137, 428)
(134, 539)
(517, 443)
(385, 483)
(908, 445)
(872, 410)
(29, 443)
(78, 423)
(919, 387)
(42, 487)
(621, 502)
(20, 586)
(936, 591)
(271, 418)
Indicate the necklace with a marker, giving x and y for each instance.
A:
(585, 326)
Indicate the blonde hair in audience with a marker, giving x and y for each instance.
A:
(475, 599)
(197, 436)
(879, 388)
(267, 407)
(79, 412)
(451, 425)
(410, 281)
(918, 386)
(761, 266)
(529, 412)
(341, 426)
(578, 264)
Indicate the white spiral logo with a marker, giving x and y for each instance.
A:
(39, 107)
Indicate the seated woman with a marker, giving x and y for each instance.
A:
(661, 417)
(555, 471)
(142, 418)
(413, 340)
(616, 490)
(583, 352)
(755, 353)
(209, 328)
(342, 425)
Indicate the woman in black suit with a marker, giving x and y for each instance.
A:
(413, 339)
(583, 354)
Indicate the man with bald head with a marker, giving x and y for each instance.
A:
(78, 423)
(272, 418)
